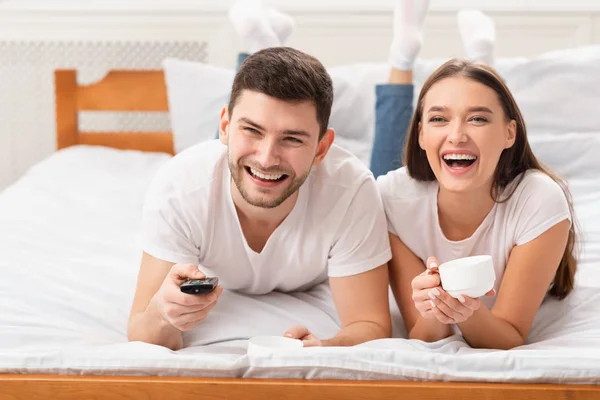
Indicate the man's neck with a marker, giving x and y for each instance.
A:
(460, 214)
(259, 223)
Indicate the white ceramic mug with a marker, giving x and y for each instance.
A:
(469, 276)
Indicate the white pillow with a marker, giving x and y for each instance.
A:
(196, 93)
(558, 91)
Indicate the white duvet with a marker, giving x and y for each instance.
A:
(69, 255)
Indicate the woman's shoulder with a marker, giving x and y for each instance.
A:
(537, 203)
(536, 184)
(398, 185)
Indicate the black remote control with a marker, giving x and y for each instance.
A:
(199, 286)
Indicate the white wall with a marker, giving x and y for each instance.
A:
(336, 31)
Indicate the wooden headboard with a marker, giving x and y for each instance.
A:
(117, 91)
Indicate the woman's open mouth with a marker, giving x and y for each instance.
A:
(459, 163)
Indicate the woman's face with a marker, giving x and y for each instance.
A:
(463, 131)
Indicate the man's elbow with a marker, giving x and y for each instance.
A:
(136, 333)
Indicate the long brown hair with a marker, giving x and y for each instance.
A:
(512, 163)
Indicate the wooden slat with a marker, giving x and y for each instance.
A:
(125, 91)
(151, 141)
(66, 108)
(33, 387)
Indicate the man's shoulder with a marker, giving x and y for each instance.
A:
(340, 168)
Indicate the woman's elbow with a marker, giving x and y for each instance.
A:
(508, 344)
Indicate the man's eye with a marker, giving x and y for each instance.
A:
(251, 130)
(293, 140)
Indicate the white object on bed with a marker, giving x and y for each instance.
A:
(557, 91)
(197, 94)
(69, 231)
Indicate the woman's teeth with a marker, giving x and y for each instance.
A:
(459, 157)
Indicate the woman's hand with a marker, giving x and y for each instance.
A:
(434, 302)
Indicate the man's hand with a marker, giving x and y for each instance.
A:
(183, 311)
(302, 333)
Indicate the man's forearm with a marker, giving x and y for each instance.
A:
(149, 327)
(359, 332)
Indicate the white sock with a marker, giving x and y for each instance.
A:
(250, 21)
(283, 24)
(409, 16)
(478, 35)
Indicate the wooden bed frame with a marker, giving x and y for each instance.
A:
(145, 91)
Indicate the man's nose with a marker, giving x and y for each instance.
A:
(268, 153)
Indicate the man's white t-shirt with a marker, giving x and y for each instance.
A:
(537, 204)
(337, 227)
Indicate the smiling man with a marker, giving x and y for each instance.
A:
(271, 205)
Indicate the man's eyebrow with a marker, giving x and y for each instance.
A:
(292, 132)
(250, 122)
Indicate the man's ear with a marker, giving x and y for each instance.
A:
(224, 124)
(324, 146)
(420, 127)
(511, 135)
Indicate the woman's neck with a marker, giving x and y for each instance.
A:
(460, 214)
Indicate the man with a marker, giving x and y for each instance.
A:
(271, 205)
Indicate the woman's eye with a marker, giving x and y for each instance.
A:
(479, 120)
(436, 119)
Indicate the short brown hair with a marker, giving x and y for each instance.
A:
(512, 163)
(286, 74)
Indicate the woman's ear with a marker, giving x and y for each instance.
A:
(420, 128)
(511, 134)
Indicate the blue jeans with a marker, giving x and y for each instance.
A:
(393, 111)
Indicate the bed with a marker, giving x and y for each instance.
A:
(69, 260)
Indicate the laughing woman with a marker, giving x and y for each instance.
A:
(470, 186)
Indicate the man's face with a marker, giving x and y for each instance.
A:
(272, 146)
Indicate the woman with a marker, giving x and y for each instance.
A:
(471, 186)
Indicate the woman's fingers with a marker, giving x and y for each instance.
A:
(432, 264)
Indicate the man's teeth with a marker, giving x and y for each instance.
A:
(264, 176)
(459, 157)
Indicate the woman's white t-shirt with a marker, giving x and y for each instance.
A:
(337, 227)
(537, 204)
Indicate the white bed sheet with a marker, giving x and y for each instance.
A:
(68, 264)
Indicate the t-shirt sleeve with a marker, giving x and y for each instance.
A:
(362, 241)
(166, 232)
(541, 205)
(384, 183)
